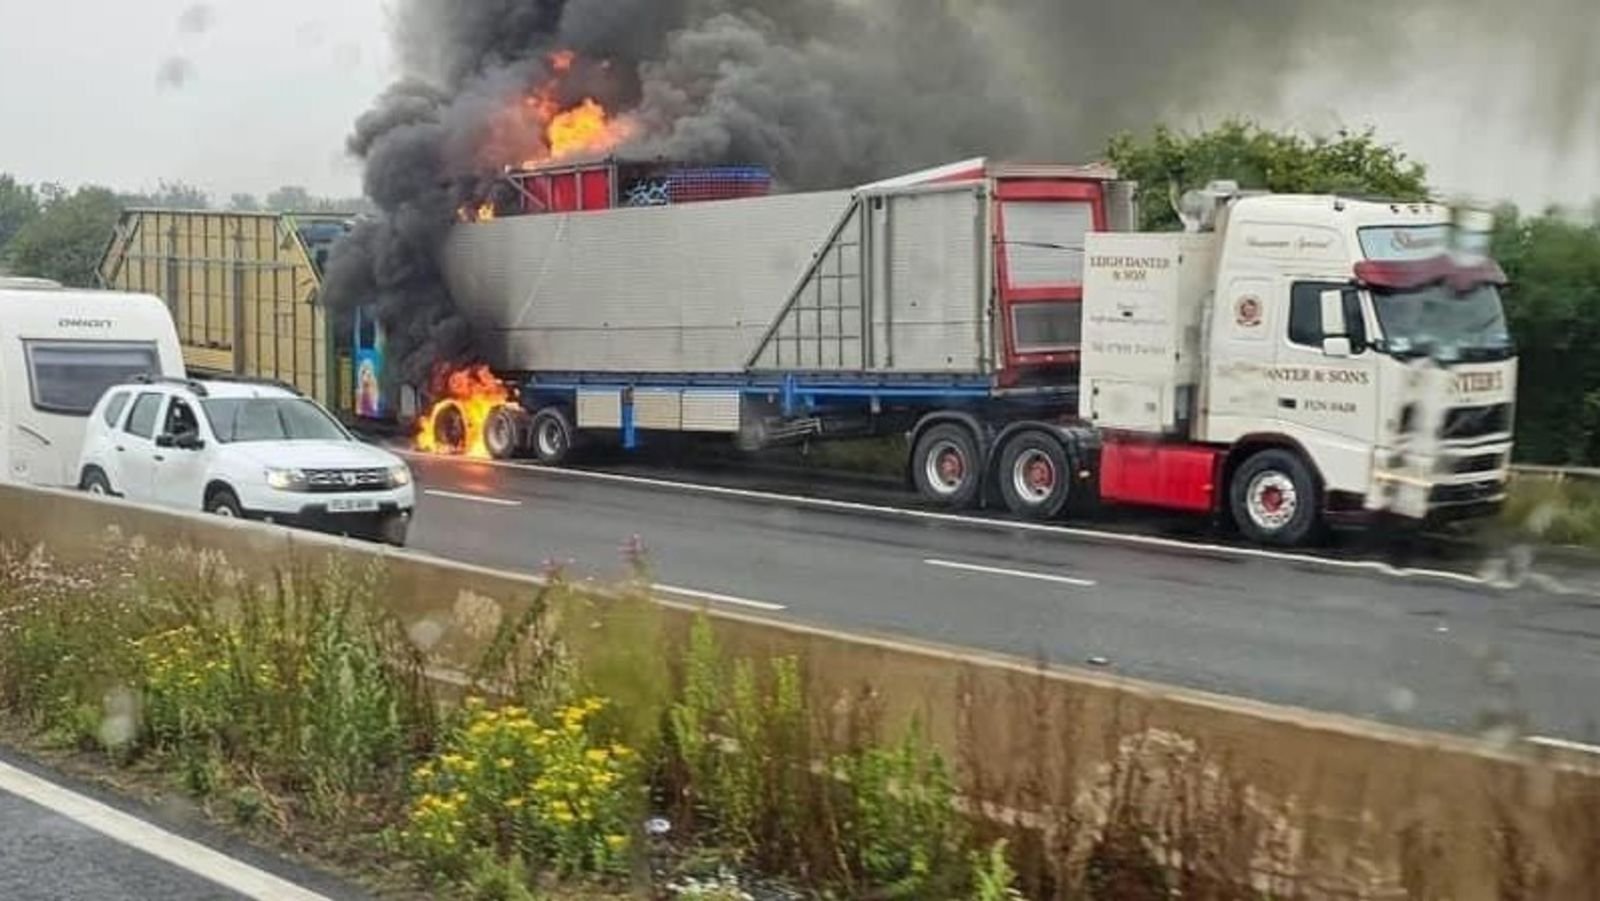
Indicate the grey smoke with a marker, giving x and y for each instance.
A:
(834, 92)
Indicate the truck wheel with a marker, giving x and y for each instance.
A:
(1035, 475)
(505, 432)
(450, 428)
(1273, 498)
(552, 436)
(946, 467)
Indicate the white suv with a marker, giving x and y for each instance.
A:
(247, 449)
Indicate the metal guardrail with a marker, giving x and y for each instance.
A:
(1558, 473)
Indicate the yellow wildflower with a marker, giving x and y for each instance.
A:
(616, 842)
(621, 752)
(597, 755)
(474, 703)
(423, 772)
(515, 803)
(505, 763)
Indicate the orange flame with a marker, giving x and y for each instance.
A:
(585, 129)
(455, 423)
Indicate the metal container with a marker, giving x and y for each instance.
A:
(242, 289)
(957, 272)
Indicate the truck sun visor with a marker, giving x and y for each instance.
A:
(1400, 275)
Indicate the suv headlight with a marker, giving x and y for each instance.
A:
(399, 476)
(287, 480)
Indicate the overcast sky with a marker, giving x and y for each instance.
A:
(242, 95)
(232, 95)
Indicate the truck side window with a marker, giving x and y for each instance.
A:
(1305, 315)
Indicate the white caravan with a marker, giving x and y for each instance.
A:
(60, 349)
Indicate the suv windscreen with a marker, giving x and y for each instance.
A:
(271, 419)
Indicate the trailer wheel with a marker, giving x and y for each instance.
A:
(450, 428)
(552, 436)
(1035, 475)
(505, 432)
(1274, 500)
(946, 466)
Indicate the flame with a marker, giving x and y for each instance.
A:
(585, 129)
(473, 393)
(484, 212)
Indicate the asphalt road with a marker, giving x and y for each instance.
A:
(1451, 654)
(60, 841)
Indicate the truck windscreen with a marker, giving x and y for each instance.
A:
(1445, 323)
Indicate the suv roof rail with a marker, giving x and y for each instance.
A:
(254, 380)
(192, 384)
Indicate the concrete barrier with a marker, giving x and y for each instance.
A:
(1308, 805)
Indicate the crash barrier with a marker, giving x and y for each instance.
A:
(1303, 804)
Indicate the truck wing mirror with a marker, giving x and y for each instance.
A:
(166, 440)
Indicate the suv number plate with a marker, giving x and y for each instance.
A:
(352, 505)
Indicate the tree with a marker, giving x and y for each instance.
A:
(171, 195)
(291, 199)
(65, 241)
(1553, 305)
(244, 203)
(19, 205)
(1171, 162)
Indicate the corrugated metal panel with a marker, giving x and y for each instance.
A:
(668, 289)
(711, 411)
(658, 409)
(928, 311)
(599, 409)
(241, 288)
(1044, 242)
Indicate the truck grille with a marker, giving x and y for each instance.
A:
(1471, 492)
(1475, 422)
(1477, 463)
(336, 480)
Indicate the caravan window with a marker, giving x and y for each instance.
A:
(69, 376)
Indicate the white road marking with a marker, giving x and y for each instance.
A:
(712, 596)
(1015, 573)
(1563, 744)
(136, 833)
(1152, 541)
(474, 498)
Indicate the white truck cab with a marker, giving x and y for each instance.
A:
(1331, 356)
(60, 349)
(244, 449)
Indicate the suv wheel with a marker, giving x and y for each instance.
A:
(223, 502)
(95, 482)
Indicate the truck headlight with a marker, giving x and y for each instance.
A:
(287, 479)
(399, 476)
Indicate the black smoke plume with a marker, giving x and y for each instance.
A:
(834, 92)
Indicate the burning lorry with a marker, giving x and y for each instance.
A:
(1284, 362)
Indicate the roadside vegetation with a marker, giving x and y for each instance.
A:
(1564, 512)
(299, 710)
(589, 752)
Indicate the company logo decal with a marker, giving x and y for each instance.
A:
(1247, 312)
